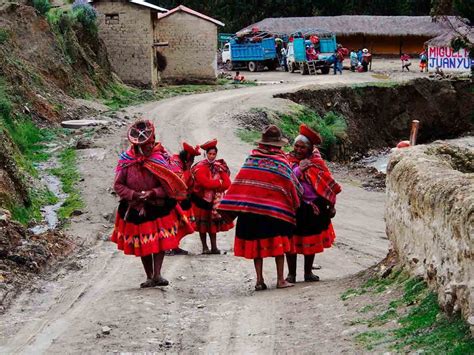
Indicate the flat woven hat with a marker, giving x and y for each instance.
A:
(141, 132)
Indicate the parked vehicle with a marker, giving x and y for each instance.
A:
(254, 55)
(297, 58)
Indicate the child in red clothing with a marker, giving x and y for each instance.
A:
(211, 179)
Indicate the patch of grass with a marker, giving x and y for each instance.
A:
(42, 6)
(248, 135)
(426, 328)
(118, 96)
(381, 84)
(4, 35)
(421, 325)
(352, 292)
(366, 309)
(69, 177)
(32, 212)
(332, 126)
(370, 339)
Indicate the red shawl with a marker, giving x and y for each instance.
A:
(319, 176)
(160, 165)
(264, 185)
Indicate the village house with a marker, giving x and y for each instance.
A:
(382, 35)
(141, 38)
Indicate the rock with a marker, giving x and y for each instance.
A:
(106, 330)
(168, 343)
(5, 215)
(200, 306)
(84, 143)
(470, 321)
(77, 213)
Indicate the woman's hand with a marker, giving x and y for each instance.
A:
(146, 195)
(304, 165)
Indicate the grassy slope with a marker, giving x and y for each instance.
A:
(404, 316)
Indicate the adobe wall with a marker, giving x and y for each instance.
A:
(191, 53)
(430, 217)
(127, 32)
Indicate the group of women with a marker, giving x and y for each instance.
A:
(283, 203)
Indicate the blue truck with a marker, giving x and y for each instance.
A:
(297, 58)
(253, 55)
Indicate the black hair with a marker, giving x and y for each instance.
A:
(215, 148)
(183, 156)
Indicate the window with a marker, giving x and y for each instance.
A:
(112, 19)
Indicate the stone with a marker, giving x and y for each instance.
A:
(106, 330)
(5, 215)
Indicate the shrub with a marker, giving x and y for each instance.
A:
(42, 6)
(85, 14)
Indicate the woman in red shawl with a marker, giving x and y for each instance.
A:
(185, 160)
(264, 197)
(149, 220)
(211, 178)
(314, 230)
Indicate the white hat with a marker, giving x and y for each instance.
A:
(365, 50)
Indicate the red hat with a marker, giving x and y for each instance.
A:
(192, 151)
(141, 132)
(209, 144)
(311, 134)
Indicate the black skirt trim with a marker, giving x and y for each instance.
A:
(251, 226)
(152, 212)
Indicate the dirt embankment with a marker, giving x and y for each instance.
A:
(45, 67)
(379, 116)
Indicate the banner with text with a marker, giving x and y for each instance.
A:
(446, 59)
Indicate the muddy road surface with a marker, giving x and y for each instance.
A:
(93, 303)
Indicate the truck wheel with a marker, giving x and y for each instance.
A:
(303, 69)
(229, 66)
(325, 70)
(252, 66)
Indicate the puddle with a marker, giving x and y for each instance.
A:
(50, 212)
(378, 161)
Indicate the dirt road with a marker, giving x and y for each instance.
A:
(210, 305)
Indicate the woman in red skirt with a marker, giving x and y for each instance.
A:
(184, 161)
(149, 219)
(264, 198)
(211, 178)
(314, 230)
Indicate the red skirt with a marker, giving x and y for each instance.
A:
(262, 248)
(151, 237)
(313, 244)
(204, 223)
(259, 236)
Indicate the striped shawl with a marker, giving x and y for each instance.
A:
(265, 185)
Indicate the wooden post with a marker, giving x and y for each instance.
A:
(414, 132)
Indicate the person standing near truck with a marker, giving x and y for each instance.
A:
(283, 60)
(366, 60)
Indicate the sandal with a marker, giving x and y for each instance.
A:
(161, 282)
(311, 278)
(215, 252)
(291, 279)
(260, 287)
(206, 252)
(147, 283)
(179, 251)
